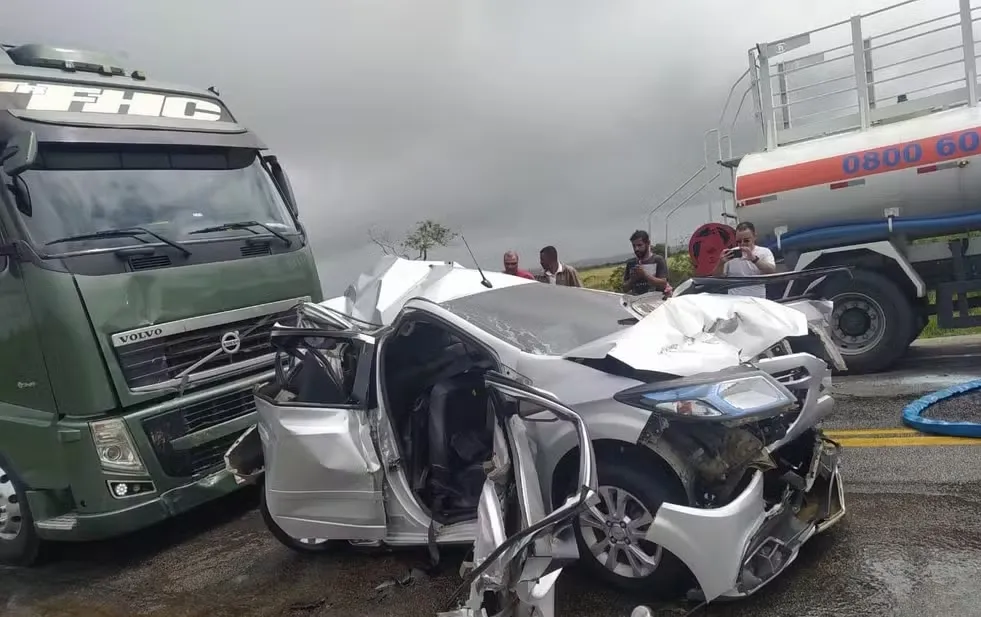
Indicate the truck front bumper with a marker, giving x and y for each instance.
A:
(128, 518)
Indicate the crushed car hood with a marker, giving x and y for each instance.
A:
(378, 295)
(694, 334)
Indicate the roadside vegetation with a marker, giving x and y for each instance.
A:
(609, 277)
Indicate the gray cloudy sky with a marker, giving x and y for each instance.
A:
(520, 122)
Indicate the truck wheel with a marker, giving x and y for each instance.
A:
(300, 545)
(19, 542)
(872, 321)
(920, 321)
(610, 535)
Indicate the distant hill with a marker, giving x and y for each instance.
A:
(601, 262)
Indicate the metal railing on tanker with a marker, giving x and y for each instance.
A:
(910, 59)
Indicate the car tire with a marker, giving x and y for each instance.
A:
(19, 542)
(872, 298)
(306, 547)
(646, 484)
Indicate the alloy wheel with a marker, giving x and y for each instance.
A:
(614, 531)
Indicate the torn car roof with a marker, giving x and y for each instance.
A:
(379, 294)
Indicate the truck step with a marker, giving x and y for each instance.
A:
(65, 522)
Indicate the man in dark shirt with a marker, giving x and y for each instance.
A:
(647, 272)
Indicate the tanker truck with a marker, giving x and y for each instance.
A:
(869, 136)
(148, 243)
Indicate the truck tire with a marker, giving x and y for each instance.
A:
(873, 321)
(921, 318)
(19, 542)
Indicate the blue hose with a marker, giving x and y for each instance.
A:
(912, 414)
(872, 230)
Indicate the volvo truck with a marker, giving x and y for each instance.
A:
(869, 136)
(148, 242)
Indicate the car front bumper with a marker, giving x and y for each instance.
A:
(736, 549)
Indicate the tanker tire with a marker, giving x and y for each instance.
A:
(920, 321)
(897, 313)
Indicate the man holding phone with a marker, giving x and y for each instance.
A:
(746, 259)
(646, 272)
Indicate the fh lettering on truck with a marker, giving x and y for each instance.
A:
(84, 99)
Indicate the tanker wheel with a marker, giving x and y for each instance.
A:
(872, 321)
(920, 321)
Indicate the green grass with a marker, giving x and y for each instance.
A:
(932, 330)
(597, 278)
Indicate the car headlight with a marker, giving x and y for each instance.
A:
(733, 398)
(115, 446)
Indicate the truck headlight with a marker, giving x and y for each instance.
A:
(736, 398)
(115, 446)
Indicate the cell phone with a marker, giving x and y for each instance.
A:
(733, 253)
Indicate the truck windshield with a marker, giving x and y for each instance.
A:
(78, 190)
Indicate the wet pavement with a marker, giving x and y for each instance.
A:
(909, 545)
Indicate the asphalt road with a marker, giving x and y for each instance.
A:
(909, 545)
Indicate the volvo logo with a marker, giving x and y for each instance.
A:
(231, 342)
(143, 335)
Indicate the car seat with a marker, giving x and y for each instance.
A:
(460, 441)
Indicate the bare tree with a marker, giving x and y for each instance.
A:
(418, 242)
(383, 240)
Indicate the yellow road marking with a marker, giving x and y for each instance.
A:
(860, 432)
(894, 438)
(895, 442)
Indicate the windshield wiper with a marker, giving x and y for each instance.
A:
(129, 232)
(247, 225)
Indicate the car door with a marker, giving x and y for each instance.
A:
(520, 548)
(323, 476)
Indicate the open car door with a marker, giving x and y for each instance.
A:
(244, 459)
(323, 476)
(520, 548)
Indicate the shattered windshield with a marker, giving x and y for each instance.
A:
(543, 319)
(79, 189)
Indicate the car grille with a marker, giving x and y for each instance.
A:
(149, 363)
(163, 429)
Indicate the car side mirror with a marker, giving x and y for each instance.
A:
(283, 181)
(20, 153)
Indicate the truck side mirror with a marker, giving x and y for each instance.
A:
(20, 153)
(282, 180)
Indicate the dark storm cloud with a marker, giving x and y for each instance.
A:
(521, 123)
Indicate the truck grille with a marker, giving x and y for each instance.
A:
(163, 429)
(210, 456)
(157, 361)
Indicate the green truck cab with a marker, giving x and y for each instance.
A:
(148, 243)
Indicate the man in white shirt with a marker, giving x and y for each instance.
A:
(747, 260)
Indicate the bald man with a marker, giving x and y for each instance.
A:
(511, 266)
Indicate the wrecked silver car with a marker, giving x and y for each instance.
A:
(384, 426)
